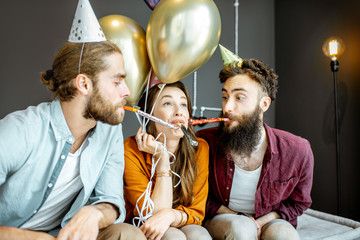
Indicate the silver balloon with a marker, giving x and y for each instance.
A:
(130, 38)
(181, 36)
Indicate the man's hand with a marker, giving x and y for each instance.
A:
(86, 223)
(11, 233)
(261, 221)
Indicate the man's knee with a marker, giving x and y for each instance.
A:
(231, 227)
(195, 232)
(280, 231)
(173, 233)
(120, 231)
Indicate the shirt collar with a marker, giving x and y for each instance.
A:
(272, 149)
(58, 123)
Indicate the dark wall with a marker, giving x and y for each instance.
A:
(305, 104)
(33, 31)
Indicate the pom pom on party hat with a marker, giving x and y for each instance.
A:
(229, 57)
(85, 27)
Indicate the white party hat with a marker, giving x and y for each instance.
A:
(85, 27)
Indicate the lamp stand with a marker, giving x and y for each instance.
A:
(334, 68)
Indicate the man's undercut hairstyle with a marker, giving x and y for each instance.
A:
(256, 70)
(65, 66)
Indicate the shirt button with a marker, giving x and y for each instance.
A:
(62, 156)
(225, 200)
(231, 169)
(227, 188)
(70, 140)
(50, 185)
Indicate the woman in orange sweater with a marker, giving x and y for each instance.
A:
(152, 173)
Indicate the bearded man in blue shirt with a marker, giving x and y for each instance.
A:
(62, 163)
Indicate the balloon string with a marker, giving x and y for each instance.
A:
(148, 206)
(146, 96)
(81, 53)
(146, 121)
(194, 107)
(153, 107)
(138, 118)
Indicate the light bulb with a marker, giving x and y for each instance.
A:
(333, 47)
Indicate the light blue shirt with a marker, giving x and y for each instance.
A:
(34, 144)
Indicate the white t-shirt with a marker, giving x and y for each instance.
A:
(61, 197)
(242, 194)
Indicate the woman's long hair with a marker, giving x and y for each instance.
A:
(185, 164)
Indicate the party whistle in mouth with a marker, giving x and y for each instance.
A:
(152, 118)
(209, 120)
(192, 142)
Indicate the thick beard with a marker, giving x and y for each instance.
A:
(243, 138)
(101, 110)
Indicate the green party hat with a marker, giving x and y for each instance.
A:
(229, 57)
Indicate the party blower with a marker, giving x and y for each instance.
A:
(182, 127)
(155, 119)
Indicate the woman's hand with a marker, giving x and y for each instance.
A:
(156, 226)
(146, 142)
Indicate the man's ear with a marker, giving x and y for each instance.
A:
(83, 84)
(265, 103)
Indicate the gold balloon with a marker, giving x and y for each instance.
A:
(130, 38)
(181, 36)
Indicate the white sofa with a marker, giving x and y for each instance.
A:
(313, 225)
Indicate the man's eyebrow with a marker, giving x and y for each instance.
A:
(234, 90)
(120, 75)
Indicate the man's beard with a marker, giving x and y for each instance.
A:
(243, 138)
(101, 110)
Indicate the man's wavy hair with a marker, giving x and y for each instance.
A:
(65, 66)
(256, 70)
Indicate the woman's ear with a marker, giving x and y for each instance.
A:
(83, 84)
(265, 103)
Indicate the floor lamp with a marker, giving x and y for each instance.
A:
(333, 47)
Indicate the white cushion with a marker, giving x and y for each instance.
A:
(319, 225)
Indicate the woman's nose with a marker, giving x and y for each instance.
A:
(178, 111)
